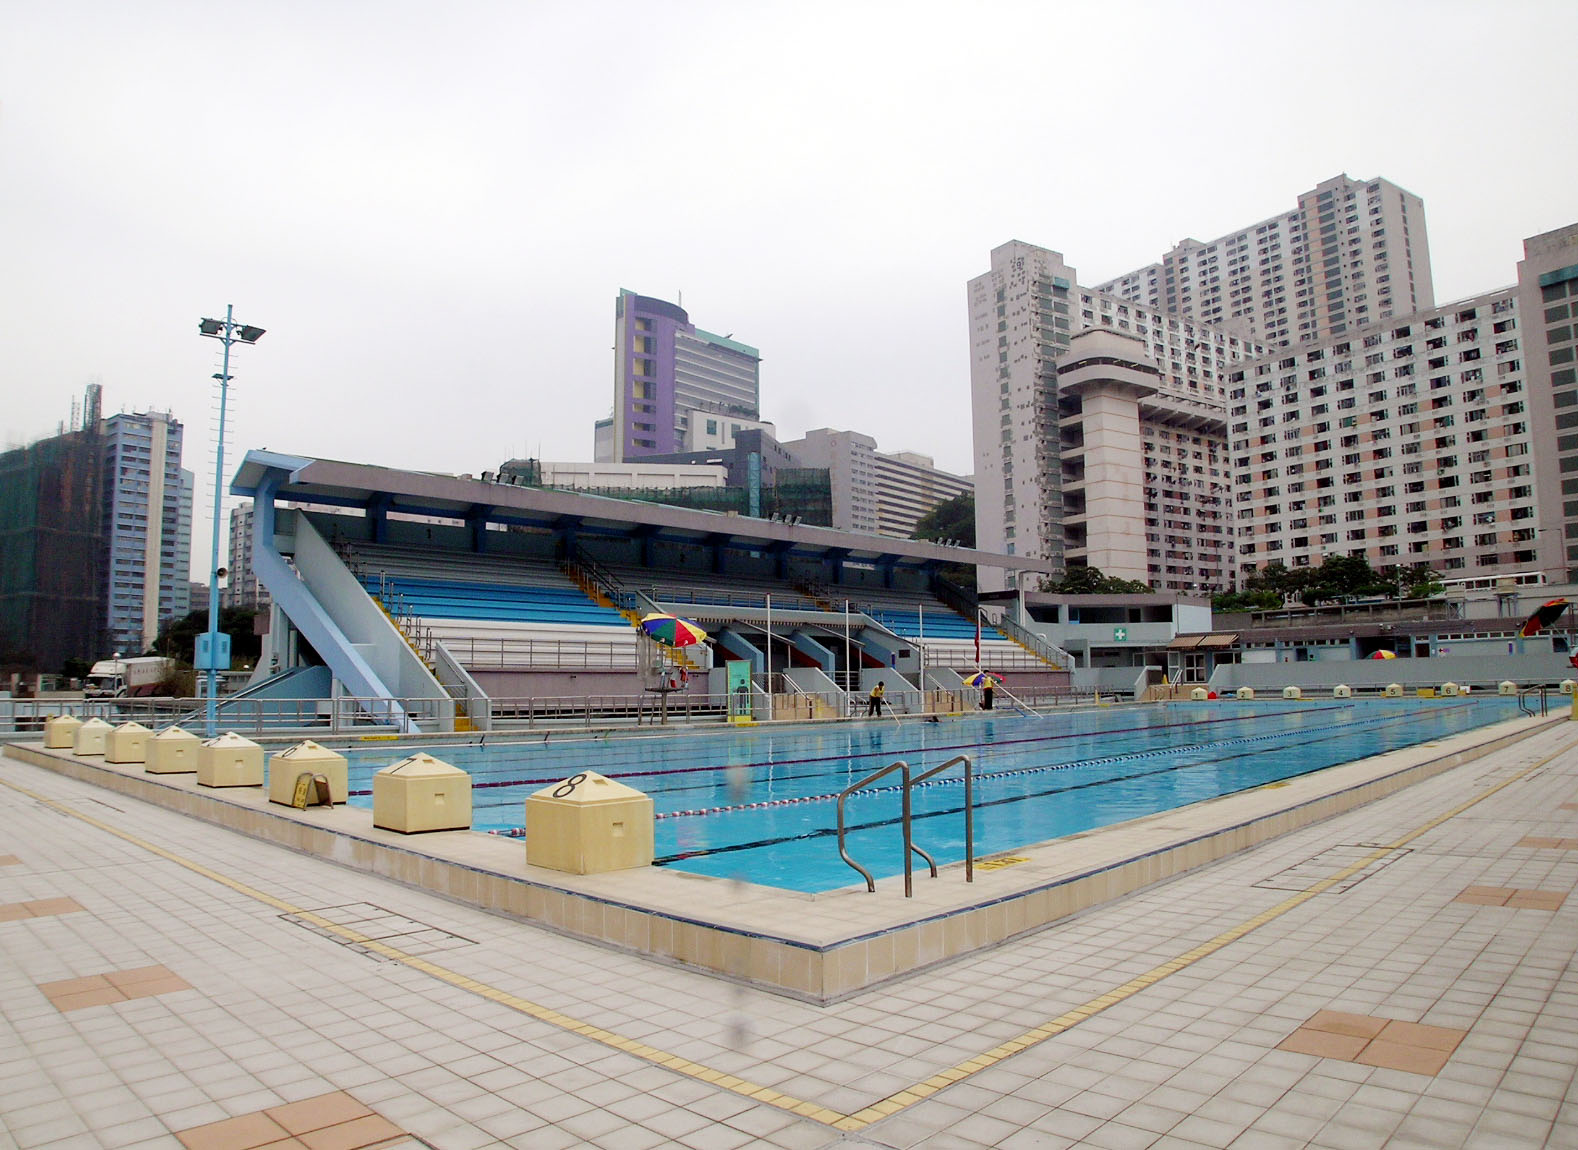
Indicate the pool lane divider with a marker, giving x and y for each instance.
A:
(858, 1120)
(899, 752)
(995, 776)
(943, 812)
(822, 832)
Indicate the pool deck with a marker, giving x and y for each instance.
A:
(1383, 959)
(821, 947)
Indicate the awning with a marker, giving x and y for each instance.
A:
(1190, 642)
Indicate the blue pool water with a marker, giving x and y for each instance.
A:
(761, 804)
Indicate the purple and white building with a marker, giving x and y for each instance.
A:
(671, 378)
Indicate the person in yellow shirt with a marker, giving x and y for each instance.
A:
(874, 700)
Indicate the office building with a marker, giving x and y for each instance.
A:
(610, 476)
(875, 492)
(1099, 427)
(668, 373)
(850, 461)
(909, 486)
(145, 501)
(1407, 442)
(1351, 253)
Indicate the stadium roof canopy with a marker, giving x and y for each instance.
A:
(384, 490)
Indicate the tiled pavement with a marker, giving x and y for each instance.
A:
(273, 999)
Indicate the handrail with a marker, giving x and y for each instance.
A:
(961, 599)
(604, 580)
(1529, 710)
(843, 852)
(969, 811)
(1047, 652)
(906, 820)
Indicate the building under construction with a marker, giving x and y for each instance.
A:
(52, 547)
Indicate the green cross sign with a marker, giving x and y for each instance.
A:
(1119, 634)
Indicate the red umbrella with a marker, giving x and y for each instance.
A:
(1544, 615)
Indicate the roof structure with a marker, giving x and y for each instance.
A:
(357, 485)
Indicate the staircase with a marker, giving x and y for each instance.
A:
(604, 588)
(418, 637)
(817, 593)
(966, 604)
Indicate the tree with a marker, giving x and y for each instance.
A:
(952, 519)
(1081, 580)
(178, 638)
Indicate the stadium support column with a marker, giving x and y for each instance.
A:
(378, 517)
(477, 521)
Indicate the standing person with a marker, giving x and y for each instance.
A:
(874, 700)
(986, 695)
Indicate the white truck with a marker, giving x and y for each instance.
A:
(126, 678)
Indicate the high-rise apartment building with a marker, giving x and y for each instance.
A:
(1547, 295)
(242, 586)
(146, 501)
(1375, 423)
(1100, 427)
(182, 605)
(668, 372)
(1408, 442)
(909, 486)
(1352, 252)
(1021, 320)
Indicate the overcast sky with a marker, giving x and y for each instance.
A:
(431, 207)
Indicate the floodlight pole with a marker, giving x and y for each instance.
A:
(226, 334)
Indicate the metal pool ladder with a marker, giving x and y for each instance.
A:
(908, 783)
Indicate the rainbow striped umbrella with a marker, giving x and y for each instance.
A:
(672, 631)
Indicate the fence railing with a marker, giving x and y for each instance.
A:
(352, 716)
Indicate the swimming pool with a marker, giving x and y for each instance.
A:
(760, 805)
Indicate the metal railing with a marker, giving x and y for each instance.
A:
(703, 597)
(1529, 710)
(588, 573)
(353, 715)
(500, 653)
(1047, 652)
(906, 819)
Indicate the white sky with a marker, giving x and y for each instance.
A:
(431, 207)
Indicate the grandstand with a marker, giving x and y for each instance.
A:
(485, 600)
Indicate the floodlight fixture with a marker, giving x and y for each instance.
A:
(249, 334)
(210, 326)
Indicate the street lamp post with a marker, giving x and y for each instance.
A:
(227, 331)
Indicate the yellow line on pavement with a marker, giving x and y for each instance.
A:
(882, 1108)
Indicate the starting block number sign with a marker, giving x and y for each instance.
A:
(310, 787)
